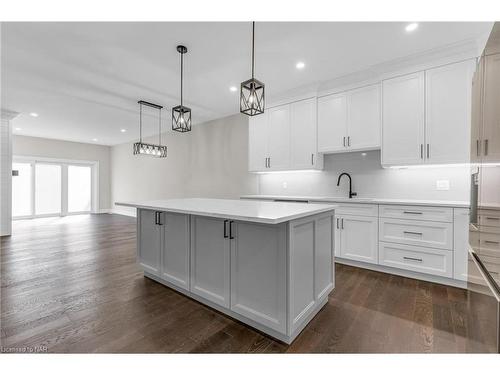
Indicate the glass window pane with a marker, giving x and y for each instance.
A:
(21, 190)
(47, 189)
(79, 188)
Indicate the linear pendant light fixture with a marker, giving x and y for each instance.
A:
(252, 90)
(141, 148)
(181, 115)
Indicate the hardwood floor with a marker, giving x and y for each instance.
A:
(72, 285)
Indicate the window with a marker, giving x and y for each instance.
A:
(79, 188)
(51, 187)
(21, 189)
(47, 189)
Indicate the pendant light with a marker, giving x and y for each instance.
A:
(141, 148)
(181, 115)
(252, 91)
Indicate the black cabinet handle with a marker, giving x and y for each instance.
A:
(414, 259)
(421, 150)
(159, 218)
(231, 230)
(338, 223)
(156, 217)
(343, 141)
(225, 228)
(414, 233)
(349, 141)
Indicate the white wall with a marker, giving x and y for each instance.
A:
(51, 148)
(369, 180)
(210, 161)
(6, 172)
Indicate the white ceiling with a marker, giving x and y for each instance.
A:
(84, 79)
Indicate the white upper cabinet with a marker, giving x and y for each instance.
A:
(332, 123)
(278, 130)
(257, 143)
(303, 134)
(363, 113)
(448, 113)
(427, 115)
(349, 121)
(403, 120)
(284, 138)
(491, 110)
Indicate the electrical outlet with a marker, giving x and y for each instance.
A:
(443, 185)
(285, 185)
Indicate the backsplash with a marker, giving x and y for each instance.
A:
(369, 179)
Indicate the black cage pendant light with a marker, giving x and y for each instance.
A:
(141, 148)
(181, 115)
(252, 91)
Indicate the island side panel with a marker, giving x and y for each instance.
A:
(310, 263)
(258, 273)
(148, 241)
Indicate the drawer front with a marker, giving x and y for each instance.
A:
(419, 259)
(360, 209)
(419, 233)
(489, 218)
(417, 213)
(489, 244)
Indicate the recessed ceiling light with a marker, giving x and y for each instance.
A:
(33, 114)
(17, 129)
(233, 89)
(411, 27)
(300, 65)
(123, 130)
(94, 139)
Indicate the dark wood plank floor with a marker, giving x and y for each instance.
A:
(72, 285)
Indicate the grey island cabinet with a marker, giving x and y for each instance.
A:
(267, 264)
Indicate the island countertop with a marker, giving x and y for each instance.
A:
(243, 210)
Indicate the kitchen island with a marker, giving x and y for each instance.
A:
(267, 264)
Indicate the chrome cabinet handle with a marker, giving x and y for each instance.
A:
(415, 259)
(269, 164)
(349, 141)
(343, 141)
(158, 218)
(493, 242)
(312, 159)
(477, 147)
(415, 233)
(485, 147)
(428, 151)
(342, 223)
(421, 150)
(413, 212)
(338, 223)
(492, 218)
(225, 228)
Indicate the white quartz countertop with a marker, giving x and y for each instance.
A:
(316, 199)
(243, 210)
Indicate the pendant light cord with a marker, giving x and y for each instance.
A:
(159, 128)
(140, 122)
(182, 66)
(253, 46)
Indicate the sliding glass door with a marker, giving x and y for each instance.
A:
(43, 188)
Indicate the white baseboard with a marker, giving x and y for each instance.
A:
(404, 273)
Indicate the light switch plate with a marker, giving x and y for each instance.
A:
(443, 185)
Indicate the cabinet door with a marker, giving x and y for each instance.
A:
(358, 238)
(303, 134)
(257, 142)
(363, 107)
(491, 114)
(448, 113)
(278, 132)
(332, 123)
(477, 113)
(258, 273)
(403, 120)
(148, 241)
(209, 260)
(175, 254)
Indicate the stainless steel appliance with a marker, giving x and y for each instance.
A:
(483, 328)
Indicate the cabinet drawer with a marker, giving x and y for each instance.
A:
(419, 259)
(489, 218)
(417, 213)
(489, 244)
(360, 209)
(414, 232)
